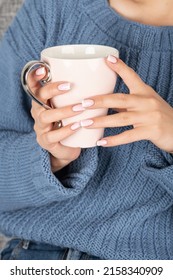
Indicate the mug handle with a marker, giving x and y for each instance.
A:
(32, 65)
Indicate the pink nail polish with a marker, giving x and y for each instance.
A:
(112, 59)
(75, 126)
(65, 86)
(87, 103)
(101, 143)
(85, 123)
(78, 108)
(40, 71)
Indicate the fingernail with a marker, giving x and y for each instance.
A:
(75, 126)
(87, 103)
(40, 71)
(85, 123)
(112, 59)
(78, 108)
(101, 143)
(65, 86)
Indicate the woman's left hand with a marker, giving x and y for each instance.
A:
(149, 114)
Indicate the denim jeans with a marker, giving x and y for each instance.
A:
(17, 249)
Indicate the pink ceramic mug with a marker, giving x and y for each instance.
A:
(85, 68)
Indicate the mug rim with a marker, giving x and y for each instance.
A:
(108, 50)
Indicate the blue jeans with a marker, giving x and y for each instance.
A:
(17, 249)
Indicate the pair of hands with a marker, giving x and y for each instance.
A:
(150, 116)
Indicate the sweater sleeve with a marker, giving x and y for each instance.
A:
(26, 179)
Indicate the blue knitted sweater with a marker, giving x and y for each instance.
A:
(114, 203)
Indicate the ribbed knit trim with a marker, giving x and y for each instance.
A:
(134, 34)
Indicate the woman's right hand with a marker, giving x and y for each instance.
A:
(48, 135)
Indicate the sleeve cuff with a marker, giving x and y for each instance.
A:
(62, 185)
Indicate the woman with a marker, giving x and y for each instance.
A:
(113, 201)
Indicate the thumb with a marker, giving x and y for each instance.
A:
(128, 75)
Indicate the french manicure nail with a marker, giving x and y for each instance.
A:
(112, 59)
(65, 86)
(87, 103)
(40, 71)
(85, 123)
(78, 108)
(101, 143)
(75, 126)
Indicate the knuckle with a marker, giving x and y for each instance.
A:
(120, 67)
(123, 98)
(60, 113)
(42, 117)
(48, 138)
(41, 140)
(102, 101)
(41, 93)
(158, 117)
(47, 91)
(153, 102)
(124, 118)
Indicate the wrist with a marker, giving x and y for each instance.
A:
(57, 164)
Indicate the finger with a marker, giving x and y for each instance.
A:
(118, 100)
(115, 120)
(49, 139)
(128, 75)
(129, 136)
(52, 89)
(40, 129)
(36, 110)
(34, 78)
(46, 117)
